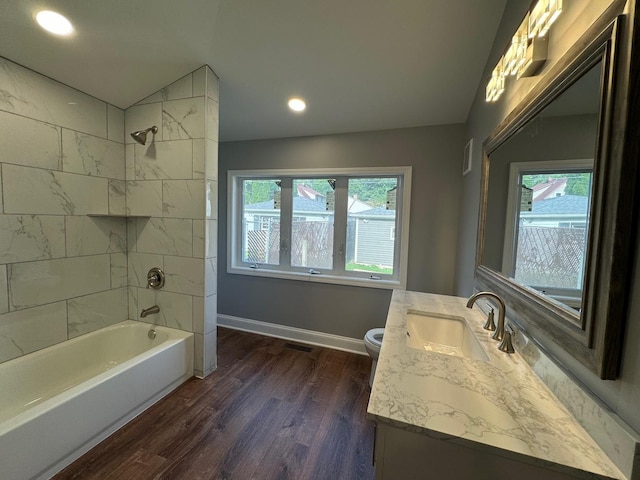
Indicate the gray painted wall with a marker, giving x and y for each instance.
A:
(435, 153)
(621, 395)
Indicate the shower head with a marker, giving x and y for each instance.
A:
(141, 135)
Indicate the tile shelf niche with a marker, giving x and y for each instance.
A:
(116, 215)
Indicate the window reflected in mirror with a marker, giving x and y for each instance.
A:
(540, 194)
(547, 250)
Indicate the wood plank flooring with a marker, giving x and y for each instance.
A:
(270, 411)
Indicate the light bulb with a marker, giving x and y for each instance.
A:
(54, 23)
(297, 104)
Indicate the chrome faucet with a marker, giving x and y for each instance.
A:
(500, 334)
(149, 311)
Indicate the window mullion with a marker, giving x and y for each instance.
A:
(286, 217)
(236, 234)
(398, 227)
(340, 225)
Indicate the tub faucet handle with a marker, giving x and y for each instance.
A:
(155, 278)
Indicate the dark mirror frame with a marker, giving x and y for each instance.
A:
(595, 336)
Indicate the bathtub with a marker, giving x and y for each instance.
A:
(57, 403)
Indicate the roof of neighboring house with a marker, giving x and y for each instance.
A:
(566, 204)
(306, 191)
(377, 211)
(549, 189)
(357, 206)
(300, 204)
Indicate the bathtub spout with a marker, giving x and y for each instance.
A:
(149, 311)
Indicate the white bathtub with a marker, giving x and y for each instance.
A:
(57, 403)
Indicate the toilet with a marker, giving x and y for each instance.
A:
(372, 343)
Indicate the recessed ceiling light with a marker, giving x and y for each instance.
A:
(54, 23)
(297, 104)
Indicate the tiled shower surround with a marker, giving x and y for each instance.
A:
(173, 181)
(65, 157)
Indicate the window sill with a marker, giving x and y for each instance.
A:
(322, 278)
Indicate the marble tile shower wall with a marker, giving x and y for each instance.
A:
(62, 273)
(171, 183)
(209, 340)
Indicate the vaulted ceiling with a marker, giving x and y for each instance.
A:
(359, 64)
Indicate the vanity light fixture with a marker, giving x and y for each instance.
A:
(534, 57)
(495, 87)
(297, 104)
(528, 49)
(515, 54)
(542, 17)
(54, 23)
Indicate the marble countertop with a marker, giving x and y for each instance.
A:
(500, 405)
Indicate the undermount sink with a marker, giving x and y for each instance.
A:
(444, 334)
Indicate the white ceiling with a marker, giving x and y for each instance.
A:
(360, 64)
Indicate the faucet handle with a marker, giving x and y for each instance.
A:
(155, 278)
(490, 324)
(506, 344)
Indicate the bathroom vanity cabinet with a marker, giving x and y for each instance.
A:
(402, 454)
(441, 414)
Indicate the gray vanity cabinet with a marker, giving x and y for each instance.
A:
(403, 455)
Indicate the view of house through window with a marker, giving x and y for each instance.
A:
(261, 221)
(339, 225)
(553, 218)
(371, 225)
(312, 223)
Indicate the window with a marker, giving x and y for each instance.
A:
(260, 222)
(312, 233)
(347, 226)
(548, 217)
(368, 225)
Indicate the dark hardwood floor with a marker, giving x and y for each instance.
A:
(270, 411)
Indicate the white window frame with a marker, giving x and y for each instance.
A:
(338, 275)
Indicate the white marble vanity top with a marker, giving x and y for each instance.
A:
(500, 405)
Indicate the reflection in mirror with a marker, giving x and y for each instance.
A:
(539, 195)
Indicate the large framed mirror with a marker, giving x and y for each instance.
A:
(556, 220)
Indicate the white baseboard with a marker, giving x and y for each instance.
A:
(328, 340)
